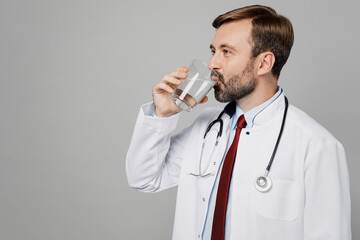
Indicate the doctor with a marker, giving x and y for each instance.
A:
(218, 197)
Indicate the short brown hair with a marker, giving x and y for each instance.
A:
(270, 32)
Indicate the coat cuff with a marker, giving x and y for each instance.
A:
(149, 120)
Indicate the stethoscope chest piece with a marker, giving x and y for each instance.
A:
(263, 183)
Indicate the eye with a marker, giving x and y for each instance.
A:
(212, 52)
(226, 52)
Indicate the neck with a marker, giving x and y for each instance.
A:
(264, 90)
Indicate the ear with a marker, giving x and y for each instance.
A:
(266, 62)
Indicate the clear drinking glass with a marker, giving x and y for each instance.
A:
(195, 87)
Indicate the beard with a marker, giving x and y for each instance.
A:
(237, 86)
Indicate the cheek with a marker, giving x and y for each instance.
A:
(234, 68)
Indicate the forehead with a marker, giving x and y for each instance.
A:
(236, 33)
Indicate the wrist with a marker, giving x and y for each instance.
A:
(159, 113)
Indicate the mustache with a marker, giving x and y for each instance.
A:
(218, 75)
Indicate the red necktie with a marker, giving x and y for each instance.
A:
(218, 227)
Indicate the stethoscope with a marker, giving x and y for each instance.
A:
(263, 182)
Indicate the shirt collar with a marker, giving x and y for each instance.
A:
(234, 111)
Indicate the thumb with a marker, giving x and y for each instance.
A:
(204, 100)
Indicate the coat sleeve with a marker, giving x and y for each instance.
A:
(327, 193)
(154, 158)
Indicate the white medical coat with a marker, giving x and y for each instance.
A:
(310, 196)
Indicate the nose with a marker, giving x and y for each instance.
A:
(214, 63)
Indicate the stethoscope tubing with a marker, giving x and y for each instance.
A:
(263, 182)
(279, 136)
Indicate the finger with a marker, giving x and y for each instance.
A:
(181, 69)
(204, 100)
(190, 100)
(171, 80)
(161, 87)
(178, 74)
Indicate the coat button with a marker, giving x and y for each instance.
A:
(203, 199)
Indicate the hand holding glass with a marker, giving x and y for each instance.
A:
(195, 87)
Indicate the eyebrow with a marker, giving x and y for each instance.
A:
(224, 46)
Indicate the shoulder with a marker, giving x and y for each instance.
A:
(316, 144)
(308, 127)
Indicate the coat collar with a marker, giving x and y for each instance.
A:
(265, 115)
(271, 112)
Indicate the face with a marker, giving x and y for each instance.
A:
(232, 61)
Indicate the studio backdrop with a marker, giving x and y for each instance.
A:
(73, 75)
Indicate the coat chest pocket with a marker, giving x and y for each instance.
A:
(281, 202)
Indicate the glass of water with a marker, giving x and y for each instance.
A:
(198, 83)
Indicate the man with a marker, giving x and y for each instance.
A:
(218, 197)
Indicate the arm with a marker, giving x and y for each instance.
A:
(154, 158)
(327, 193)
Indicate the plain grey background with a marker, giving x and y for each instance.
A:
(73, 75)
